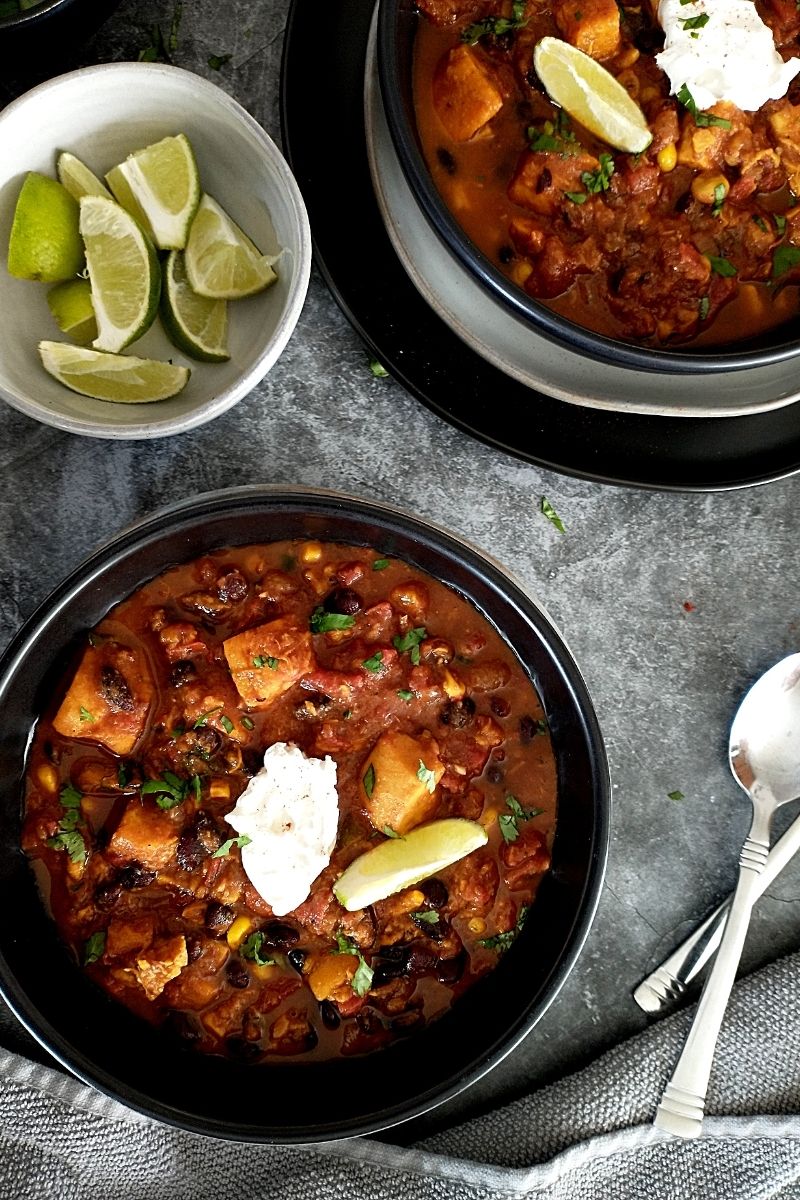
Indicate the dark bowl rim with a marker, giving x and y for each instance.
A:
(544, 320)
(109, 556)
(28, 18)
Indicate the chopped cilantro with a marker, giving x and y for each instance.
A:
(426, 776)
(85, 714)
(68, 836)
(362, 980)
(94, 947)
(698, 22)
(203, 718)
(509, 822)
(226, 723)
(374, 663)
(496, 26)
(404, 694)
(577, 197)
(170, 791)
(784, 259)
(251, 949)
(369, 780)
(780, 223)
(721, 266)
(325, 622)
(676, 795)
(391, 833)
(248, 724)
(501, 941)
(378, 369)
(217, 61)
(719, 199)
(260, 661)
(410, 641)
(547, 509)
(226, 847)
(423, 917)
(701, 119)
(702, 307)
(761, 223)
(554, 136)
(380, 564)
(599, 180)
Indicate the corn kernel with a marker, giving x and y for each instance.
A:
(521, 272)
(710, 187)
(667, 158)
(488, 817)
(310, 552)
(413, 900)
(477, 925)
(238, 932)
(47, 776)
(454, 688)
(219, 789)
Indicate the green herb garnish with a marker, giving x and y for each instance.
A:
(68, 836)
(721, 266)
(404, 694)
(362, 980)
(599, 180)
(203, 718)
(719, 199)
(509, 822)
(378, 369)
(380, 564)
(547, 509)
(226, 847)
(702, 307)
(501, 941)
(374, 663)
(391, 833)
(325, 622)
(780, 223)
(170, 791)
(226, 723)
(85, 714)
(217, 61)
(369, 780)
(784, 259)
(423, 917)
(702, 119)
(496, 26)
(248, 724)
(94, 947)
(410, 641)
(251, 949)
(426, 776)
(690, 23)
(676, 795)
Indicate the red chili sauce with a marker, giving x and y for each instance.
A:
(159, 727)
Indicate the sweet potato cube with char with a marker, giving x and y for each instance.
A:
(130, 935)
(465, 94)
(398, 781)
(146, 834)
(267, 660)
(591, 25)
(108, 698)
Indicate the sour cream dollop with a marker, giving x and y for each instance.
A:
(290, 812)
(730, 56)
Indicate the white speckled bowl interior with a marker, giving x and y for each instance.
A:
(101, 114)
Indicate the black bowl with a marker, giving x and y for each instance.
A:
(53, 26)
(397, 25)
(104, 1044)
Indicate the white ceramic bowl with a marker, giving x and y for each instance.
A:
(101, 114)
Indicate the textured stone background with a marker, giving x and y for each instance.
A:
(665, 680)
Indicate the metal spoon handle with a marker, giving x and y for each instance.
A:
(683, 1103)
(669, 981)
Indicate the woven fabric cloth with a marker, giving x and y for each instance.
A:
(587, 1137)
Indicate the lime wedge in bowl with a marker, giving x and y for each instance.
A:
(193, 323)
(120, 378)
(70, 303)
(398, 863)
(164, 181)
(123, 270)
(221, 261)
(591, 95)
(76, 177)
(44, 243)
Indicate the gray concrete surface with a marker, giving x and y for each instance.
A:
(665, 678)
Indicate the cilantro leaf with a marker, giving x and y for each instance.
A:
(410, 642)
(425, 917)
(362, 980)
(226, 847)
(702, 119)
(251, 949)
(496, 26)
(369, 780)
(548, 511)
(426, 776)
(721, 266)
(501, 941)
(217, 61)
(374, 663)
(94, 947)
(378, 369)
(325, 622)
(380, 564)
(676, 795)
(784, 259)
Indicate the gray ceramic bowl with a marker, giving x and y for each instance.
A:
(107, 1046)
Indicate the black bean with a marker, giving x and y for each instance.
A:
(385, 971)
(134, 876)
(500, 707)
(435, 893)
(528, 728)
(395, 953)
(342, 600)
(494, 773)
(179, 1024)
(506, 255)
(219, 917)
(242, 1050)
(183, 672)
(115, 690)
(107, 896)
(297, 958)
(446, 160)
(544, 181)
(330, 1015)
(279, 935)
(458, 713)
(194, 949)
(232, 587)
(238, 974)
(450, 970)
(420, 961)
(208, 740)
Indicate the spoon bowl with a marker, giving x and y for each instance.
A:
(764, 755)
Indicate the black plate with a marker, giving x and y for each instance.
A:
(106, 1045)
(323, 129)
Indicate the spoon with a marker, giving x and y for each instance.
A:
(764, 755)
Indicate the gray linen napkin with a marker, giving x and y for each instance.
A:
(587, 1137)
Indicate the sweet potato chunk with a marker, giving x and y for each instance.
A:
(145, 834)
(108, 698)
(330, 975)
(542, 178)
(591, 25)
(396, 786)
(465, 95)
(267, 660)
(129, 936)
(164, 960)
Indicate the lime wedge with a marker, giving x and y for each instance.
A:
(123, 270)
(117, 377)
(71, 305)
(123, 195)
(591, 95)
(163, 180)
(221, 261)
(193, 323)
(45, 243)
(78, 179)
(399, 862)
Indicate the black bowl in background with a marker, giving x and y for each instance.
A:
(103, 1043)
(397, 24)
(52, 27)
